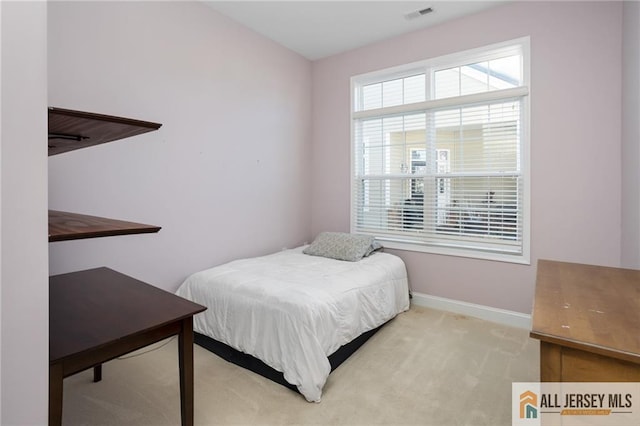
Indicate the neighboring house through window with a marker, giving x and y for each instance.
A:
(440, 154)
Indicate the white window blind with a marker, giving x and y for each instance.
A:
(440, 153)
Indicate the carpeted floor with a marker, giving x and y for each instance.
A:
(426, 367)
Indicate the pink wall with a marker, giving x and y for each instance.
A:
(575, 141)
(238, 112)
(226, 176)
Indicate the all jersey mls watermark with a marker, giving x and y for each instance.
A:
(575, 404)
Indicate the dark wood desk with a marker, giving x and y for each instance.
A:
(588, 321)
(99, 314)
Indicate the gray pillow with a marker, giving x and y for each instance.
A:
(342, 246)
(375, 246)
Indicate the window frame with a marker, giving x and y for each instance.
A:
(429, 67)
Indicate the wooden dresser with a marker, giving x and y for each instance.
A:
(587, 319)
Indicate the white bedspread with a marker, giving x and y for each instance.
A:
(292, 310)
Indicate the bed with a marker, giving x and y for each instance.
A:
(298, 311)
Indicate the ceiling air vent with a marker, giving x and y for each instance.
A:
(418, 13)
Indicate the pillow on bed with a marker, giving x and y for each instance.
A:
(342, 246)
(375, 246)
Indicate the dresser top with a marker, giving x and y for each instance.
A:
(588, 307)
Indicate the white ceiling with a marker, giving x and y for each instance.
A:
(317, 29)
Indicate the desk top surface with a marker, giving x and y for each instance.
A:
(592, 308)
(92, 308)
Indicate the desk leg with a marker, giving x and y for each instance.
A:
(185, 352)
(97, 373)
(55, 394)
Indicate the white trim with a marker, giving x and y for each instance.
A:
(470, 252)
(502, 95)
(487, 313)
(526, 154)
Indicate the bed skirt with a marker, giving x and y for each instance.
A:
(249, 362)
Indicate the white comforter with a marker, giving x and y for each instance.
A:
(292, 310)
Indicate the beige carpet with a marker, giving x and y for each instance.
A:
(426, 367)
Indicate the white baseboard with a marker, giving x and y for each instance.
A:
(487, 313)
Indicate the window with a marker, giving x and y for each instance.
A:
(440, 154)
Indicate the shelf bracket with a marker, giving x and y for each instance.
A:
(67, 137)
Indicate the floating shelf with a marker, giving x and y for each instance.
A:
(64, 226)
(70, 130)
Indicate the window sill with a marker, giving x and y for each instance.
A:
(522, 259)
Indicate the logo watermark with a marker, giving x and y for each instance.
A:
(575, 404)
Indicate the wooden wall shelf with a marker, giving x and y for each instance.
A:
(64, 226)
(70, 130)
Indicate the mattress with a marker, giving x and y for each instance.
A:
(292, 310)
